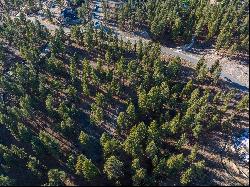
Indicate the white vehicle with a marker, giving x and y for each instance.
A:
(18, 15)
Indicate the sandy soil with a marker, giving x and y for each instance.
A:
(239, 69)
(223, 166)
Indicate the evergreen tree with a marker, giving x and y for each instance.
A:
(56, 177)
(6, 181)
(72, 68)
(134, 142)
(113, 168)
(83, 138)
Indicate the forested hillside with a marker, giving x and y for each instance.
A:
(96, 110)
(224, 23)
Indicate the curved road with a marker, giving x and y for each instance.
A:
(134, 38)
(233, 81)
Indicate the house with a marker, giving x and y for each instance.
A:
(68, 13)
(69, 16)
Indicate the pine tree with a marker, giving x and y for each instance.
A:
(83, 138)
(200, 64)
(121, 122)
(174, 67)
(88, 37)
(6, 181)
(104, 138)
(187, 89)
(182, 141)
(113, 168)
(85, 86)
(139, 178)
(75, 33)
(133, 145)
(89, 170)
(50, 144)
(197, 130)
(135, 164)
(139, 49)
(151, 149)
(72, 68)
(186, 176)
(175, 124)
(24, 133)
(33, 165)
(243, 104)
(143, 101)
(25, 104)
(83, 11)
(111, 147)
(216, 71)
(175, 163)
(56, 177)
(193, 154)
(131, 113)
(154, 133)
(194, 96)
(71, 162)
(97, 114)
(100, 100)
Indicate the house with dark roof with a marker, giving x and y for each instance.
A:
(69, 13)
(69, 16)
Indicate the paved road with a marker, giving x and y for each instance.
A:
(233, 82)
(168, 51)
(135, 38)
